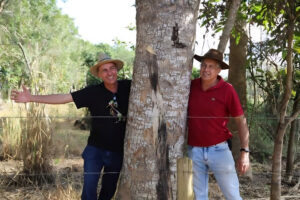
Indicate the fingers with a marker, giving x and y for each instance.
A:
(243, 168)
(14, 94)
(20, 96)
(24, 88)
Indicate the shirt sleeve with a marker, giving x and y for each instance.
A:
(82, 98)
(234, 104)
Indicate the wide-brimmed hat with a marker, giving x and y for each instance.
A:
(215, 55)
(103, 59)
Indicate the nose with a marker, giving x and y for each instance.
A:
(110, 72)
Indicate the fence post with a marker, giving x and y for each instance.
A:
(185, 179)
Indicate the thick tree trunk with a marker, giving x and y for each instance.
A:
(237, 77)
(158, 99)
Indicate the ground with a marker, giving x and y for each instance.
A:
(69, 142)
(68, 185)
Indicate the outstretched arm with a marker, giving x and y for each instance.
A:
(25, 96)
(243, 161)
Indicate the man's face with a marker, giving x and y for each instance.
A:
(108, 73)
(209, 69)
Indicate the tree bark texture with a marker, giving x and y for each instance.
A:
(158, 99)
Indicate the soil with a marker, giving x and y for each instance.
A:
(69, 172)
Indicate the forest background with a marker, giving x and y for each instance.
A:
(40, 47)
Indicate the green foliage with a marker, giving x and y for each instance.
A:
(195, 73)
(50, 44)
(213, 15)
(119, 50)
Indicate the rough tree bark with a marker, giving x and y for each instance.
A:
(158, 99)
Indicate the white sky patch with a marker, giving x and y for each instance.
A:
(102, 21)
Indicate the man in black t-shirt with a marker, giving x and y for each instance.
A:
(108, 105)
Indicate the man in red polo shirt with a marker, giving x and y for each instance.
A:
(212, 102)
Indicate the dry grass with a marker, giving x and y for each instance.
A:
(10, 132)
(36, 143)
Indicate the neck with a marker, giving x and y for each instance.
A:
(206, 84)
(112, 87)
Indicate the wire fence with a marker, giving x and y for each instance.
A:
(258, 125)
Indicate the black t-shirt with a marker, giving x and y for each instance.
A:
(107, 130)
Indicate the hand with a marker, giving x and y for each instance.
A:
(22, 96)
(243, 163)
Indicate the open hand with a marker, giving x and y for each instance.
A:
(243, 163)
(21, 96)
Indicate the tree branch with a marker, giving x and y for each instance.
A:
(25, 57)
(234, 7)
(2, 3)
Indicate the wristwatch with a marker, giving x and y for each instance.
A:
(245, 150)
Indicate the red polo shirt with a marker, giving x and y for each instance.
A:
(209, 113)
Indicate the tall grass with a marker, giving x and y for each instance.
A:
(10, 133)
(36, 143)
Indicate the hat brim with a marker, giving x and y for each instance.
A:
(94, 69)
(223, 65)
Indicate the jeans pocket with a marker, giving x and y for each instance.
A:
(221, 147)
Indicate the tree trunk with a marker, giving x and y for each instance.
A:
(283, 122)
(158, 100)
(237, 77)
(234, 7)
(291, 150)
(294, 128)
(276, 162)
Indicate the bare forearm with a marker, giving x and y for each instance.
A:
(52, 99)
(243, 131)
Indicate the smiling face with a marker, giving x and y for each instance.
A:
(209, 70)
(108, 72)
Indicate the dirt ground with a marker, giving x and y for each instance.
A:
(69, 174)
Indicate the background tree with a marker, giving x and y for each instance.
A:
(282, 25)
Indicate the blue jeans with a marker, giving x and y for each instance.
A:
(217, 158)
(94, 160)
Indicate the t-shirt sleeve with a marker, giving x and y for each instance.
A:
(82, 98)
(234, 104)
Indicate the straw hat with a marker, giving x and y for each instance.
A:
(103, 59)
(215, 55)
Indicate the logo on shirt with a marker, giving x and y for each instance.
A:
(113, 110)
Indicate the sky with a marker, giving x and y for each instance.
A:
(102, 21)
